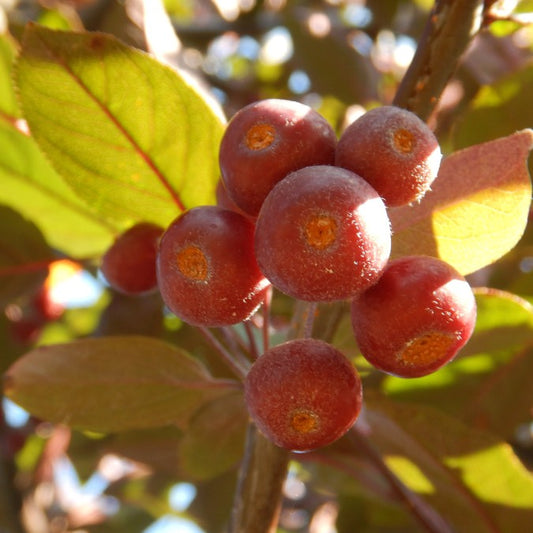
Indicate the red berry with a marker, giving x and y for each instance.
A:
(415, 318)
(322, 234)
(129, 264)
(394, 151)
(266, 140)
(207, 272)
(303, 394)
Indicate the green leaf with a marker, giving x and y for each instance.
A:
(24, 255)
(497, 109)
(505, 400)
(9, 109)
(30, 185)
(470, 477)
(132, 137)
(487, 384)
(112, 384)
(215, 440)
(477, 209)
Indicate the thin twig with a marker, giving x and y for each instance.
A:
(267, 305)
(236, 343)
(252, 345)
(309, 320)
(425, 515)
(226, 356)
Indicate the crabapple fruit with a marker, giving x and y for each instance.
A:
(415, 318)
(323, 234)
(206, 268)
(303, 394)
(129, 264)
(394, 150)
(266, 140)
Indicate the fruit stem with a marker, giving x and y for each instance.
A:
(235, 342)
(311, 313)
(450, 28)
(425, 514)
(257, 499)
(267, 304)
(251, 339)
(238, 368)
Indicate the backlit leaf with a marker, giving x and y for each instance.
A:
(506, 399)
(470, 477)
(477, 209)
(8, 103)
(31, 185)
(24, 255)
(497, 109)
(112, 384)
(133, 138)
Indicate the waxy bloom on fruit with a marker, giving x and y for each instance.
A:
(206, 268)
(266, 140)
(394, 151)
(303, 394)
(323, 234)
(415, 318)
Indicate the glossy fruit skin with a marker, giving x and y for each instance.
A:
(303, 394)
(395, 151)
(129, 264)
(266, 140)
(323, 234)
(416, 318)
(206, 268)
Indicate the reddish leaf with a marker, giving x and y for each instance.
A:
(215, 439)
(112, 384)
(24, 255)
(477, 209)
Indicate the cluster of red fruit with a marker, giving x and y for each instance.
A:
(307, 213)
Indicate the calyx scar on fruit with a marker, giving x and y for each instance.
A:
(206, 267)
(303, 394)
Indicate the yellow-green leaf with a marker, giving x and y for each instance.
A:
(477, 209)
(133, 138)
(31, 185)
(8, 103)
(472, 478)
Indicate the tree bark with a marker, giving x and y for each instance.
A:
(450, 28)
